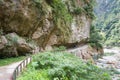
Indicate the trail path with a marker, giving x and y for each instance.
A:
(6, 72)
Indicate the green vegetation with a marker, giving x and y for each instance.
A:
(78, 11)
(39, 5)
(32, 74)
(8, 61)
(62, 18)
(108, 21)
(60, 15)
(60, 48)
(87, 8)
(95, 38)
(62, 66)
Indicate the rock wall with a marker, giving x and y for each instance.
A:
(45, 24)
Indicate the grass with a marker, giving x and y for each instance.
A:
(8, 61)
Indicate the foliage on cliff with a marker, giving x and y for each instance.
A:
(108, 20)
(95, 38)
(83, 7)
(61, 17)
(62, 66)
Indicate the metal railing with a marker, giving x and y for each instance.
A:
(20, 67)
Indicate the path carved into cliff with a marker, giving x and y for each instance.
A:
(82, 51)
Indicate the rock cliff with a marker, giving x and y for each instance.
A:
(45, 24)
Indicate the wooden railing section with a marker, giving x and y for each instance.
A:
(20, 67)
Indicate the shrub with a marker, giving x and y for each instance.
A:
(95, 38)
(32, 74)
(89, 8)
(60, 48)
(78, 11)
(62, 18)
(65, 66)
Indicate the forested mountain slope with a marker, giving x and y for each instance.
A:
(108, 20)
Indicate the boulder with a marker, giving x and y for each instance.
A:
(3, 42)
(13, 45)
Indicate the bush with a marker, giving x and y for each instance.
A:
(65, 66)
(89, 8)
(60, 48)
(62, 17)
(32, 74)
(95, 38)
(78, 11)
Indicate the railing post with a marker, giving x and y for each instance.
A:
(20, 67)
(23, 64)
(30, 59)
(26, 61)
(14, 75)
(17, 71)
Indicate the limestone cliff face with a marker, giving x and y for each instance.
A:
(45, 24)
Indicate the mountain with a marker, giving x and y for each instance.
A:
(108, 20)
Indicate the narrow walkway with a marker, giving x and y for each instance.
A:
(6, 72)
